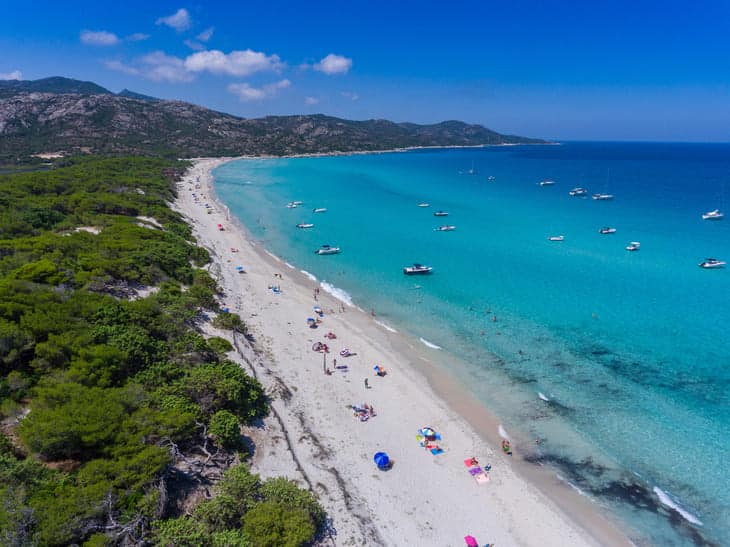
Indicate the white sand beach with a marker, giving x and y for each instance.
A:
(313, 436)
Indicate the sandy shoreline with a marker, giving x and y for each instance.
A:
(313, 437)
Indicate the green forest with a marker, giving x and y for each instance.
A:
(115, 409)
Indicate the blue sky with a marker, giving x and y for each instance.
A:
(564, 70)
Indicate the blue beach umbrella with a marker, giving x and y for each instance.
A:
(381, 459)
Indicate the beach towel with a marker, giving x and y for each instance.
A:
(481, 478)
(475, 471)
(436, 451)
(471, 541)
(468, 462)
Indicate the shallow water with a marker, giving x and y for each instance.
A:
(615, 360)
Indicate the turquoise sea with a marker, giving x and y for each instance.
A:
(618, 361)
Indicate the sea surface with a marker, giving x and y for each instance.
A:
(617, 361)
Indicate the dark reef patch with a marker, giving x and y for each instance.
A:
(597, 480)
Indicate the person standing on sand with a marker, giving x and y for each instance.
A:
(367, 386)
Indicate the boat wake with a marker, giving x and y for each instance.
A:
(386, 327)
(669, 502)
(309, 275)
(429, 344)
(340, 294)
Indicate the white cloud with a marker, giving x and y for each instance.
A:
(98, 38)
(311, 100)
(235, 63)
(180, 20)
(334, 64)
(162, 67)
(121, 67)
(14, 75)
(206, 35)
(247, 93)
(137, 37)
(195, 46)
(350, 95)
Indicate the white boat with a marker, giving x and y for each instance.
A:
(713, 215)
(546, 182)
(327, 250)
(417, 269)
(633, 246)
(603, 197)
(297, 203)
(491, 177)
(423, 204)
(291, 205)
(445, 229)
(576, 192)
(472, 171)
(441, 214)
(305, 225)
(556, 238)
(712, 263)
(320, 210)
(607, 230)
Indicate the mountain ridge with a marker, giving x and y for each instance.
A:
(92, 119)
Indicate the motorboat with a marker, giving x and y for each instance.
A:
(417, 269)
(607, 230)
(578, 191)
(546, 182)
(445, 229)
(320, 210)
(603, 197)
(423, 204)
(491, 177)
(712, 263)
(441, 214)
(556, 238)
(305, 225)
(713, 215)
(633, 246)
(297, 203)
(291, 205)
(327, 250)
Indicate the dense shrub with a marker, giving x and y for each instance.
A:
(272, 523)
(225, 430)
(287, 493)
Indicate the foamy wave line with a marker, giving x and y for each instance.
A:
(309, 275)
(289, 266)
(429, 344)
(502, 432)
(386, 327)
(543, 396)
(573, 486)
(669, 502)
(272, 255)
(339, 294)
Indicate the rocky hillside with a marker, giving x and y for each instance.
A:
(99, 121)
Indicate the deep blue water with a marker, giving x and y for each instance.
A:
(631, 349)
